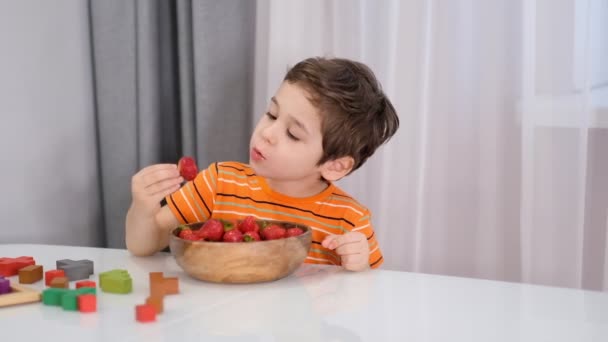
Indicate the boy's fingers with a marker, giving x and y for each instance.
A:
(156, 167)
(335, 241)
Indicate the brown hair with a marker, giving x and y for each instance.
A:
(356, 115)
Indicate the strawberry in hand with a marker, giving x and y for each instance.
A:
(187, 168)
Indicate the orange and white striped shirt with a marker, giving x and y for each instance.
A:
(232, 190)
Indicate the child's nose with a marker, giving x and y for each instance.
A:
(269, 134)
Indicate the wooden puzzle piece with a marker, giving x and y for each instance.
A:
(145, 313)
(160, 286)
(87, 303)
(116, 281)
(10, 266)
(5, 285)
(85, 283)
(76, 269)
(19, 295)
(50, 275)
(60, 282)
(30, 274)
(156, 302)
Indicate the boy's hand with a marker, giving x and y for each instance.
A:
(352, 248)
(150, 185)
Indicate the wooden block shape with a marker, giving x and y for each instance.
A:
(50, 275)
(87, 303)
(5, 285)
(69, 301)
(157, 286)
(76, 269)
(116, 281)
(171, 285)
(10, 266)
(160, 286)
(53, 296)
(86, 283)
(145, 313)
(156, 302)
(30, 274)
(60, 282)
(19, 295)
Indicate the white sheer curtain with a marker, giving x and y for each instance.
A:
(498, 170)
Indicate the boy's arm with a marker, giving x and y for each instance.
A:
(146, 236)
(147, 223)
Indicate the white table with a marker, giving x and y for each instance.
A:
(316, 303)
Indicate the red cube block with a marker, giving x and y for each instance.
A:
(145, 313)
(87, 303)
(85, 283)
(49, 275)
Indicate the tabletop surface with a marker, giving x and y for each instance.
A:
(316, 303)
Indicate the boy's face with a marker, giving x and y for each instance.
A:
(286, 144)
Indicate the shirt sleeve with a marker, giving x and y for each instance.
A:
(363, 224)
(194, 201)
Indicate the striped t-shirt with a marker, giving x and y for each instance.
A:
(232, 190)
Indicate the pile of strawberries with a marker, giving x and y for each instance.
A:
(247, 230)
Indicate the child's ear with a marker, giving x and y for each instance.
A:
(333, 170)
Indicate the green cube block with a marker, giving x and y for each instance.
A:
(116, 281)
(52, 296)
(69, 301)
(85, 290)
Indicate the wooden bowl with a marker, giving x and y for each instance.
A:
(240, 262)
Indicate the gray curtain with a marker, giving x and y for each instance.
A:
(171, 78)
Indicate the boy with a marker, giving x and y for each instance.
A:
(327, 117)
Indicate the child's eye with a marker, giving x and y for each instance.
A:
(270, 116)
(292, 137)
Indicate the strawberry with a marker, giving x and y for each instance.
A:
(251, 236)
(229, 225)
(187, 168)
(212, 230)
(249, 225)
(273, 232)
(191, 237)
(233, 235)
(294, 231)
(185, 232)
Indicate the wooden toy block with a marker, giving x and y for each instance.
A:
(116, 281)
(160, 286)
(30, 274)
(171, 285)
(76, 269)
(49, 275)
(145, 313)
(53, 296)
(69, 301)
(86, 283)
(156, 302)
(19, 295)
(5, 285)
(10, 266)
(60, 282)
(86, 290)
(87, 303)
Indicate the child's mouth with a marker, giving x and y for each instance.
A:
(256, 155)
